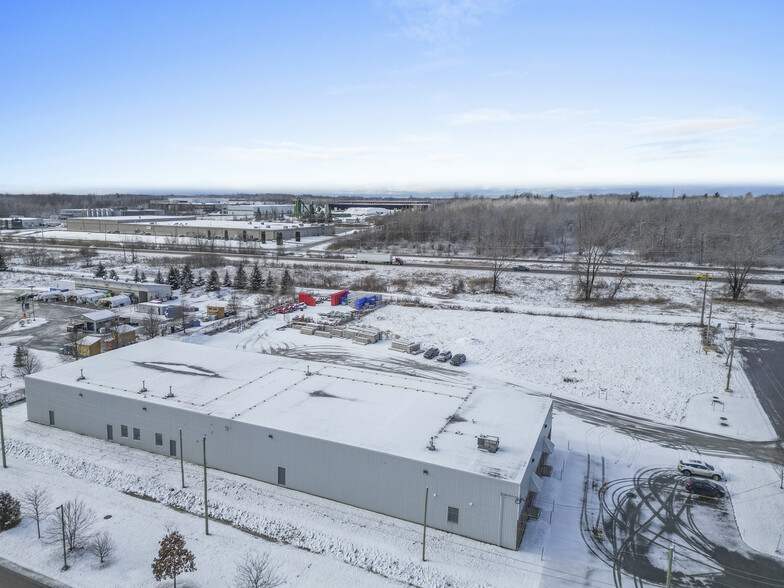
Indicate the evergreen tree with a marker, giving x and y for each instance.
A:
(143, 278)
(286, 283)
(10, 512)
(213, 283)
(100, 271)
(113, 275)
(173, 279)
(329, 214)
(199, 281)
(20, 356)
(136, 277)
(159, 278)
(269, 284)
(227, 279)
(257, 215)
(186, 279)
(3, 264)
(240, 278)
(256, 281)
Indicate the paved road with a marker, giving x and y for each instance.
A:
(10, 578)
(765, 370)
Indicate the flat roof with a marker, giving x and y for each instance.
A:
(99, 315)
(390, 413)
(228, 223)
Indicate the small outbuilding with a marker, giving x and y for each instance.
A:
(217, 309)
(95, 321)
(88, 346)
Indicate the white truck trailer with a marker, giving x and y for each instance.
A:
(387, 258)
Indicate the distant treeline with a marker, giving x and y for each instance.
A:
(695, 229)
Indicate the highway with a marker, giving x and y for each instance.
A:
(638, 271)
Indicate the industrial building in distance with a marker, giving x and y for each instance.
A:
(190, 226)
(368, 439)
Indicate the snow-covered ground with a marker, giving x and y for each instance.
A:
(641, 356)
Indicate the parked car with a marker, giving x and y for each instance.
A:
(457, 359)
(704, 488)
(781, 281)
(431, 353)
(704, 277)
(695, 467)
(521, 268)
(445, 356)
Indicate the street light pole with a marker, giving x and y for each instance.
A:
(732, 352)
(2, 430)
(704, 294)
(62, 524)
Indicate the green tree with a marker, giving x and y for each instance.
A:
(10, 512)
(257, 215)
(113, 275)
(269, 284)
(136, 277)
(173, 279)
(256, 280)
(3, 263)
(143, 278)
(100, 271)
(286, 283)
(186, 279)
(159, 277)
(227, 279)
(213, 283)
(240, 278)
(20, 356)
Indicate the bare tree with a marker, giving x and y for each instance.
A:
(256, 571)
(101, 545)
(234, 303)
(500, 261)
(173, 558)
(622, 275)
(185, 316)
(597, 234)
(151, 324)
(31, 365)
(36, 504)
(738, 256)
(78, 519)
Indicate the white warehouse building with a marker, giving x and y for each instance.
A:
(365, 438)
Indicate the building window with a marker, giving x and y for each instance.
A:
(123, 430)
(282, 476)
(109, 432)
(172, 448)
(452, 514)
(51, 417)
(159, 439)
(137, 434)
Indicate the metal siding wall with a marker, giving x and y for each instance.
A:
(380, 482)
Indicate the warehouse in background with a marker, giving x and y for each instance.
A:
(371, 440)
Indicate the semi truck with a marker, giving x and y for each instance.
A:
(379, 258)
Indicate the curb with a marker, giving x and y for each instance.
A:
(31, 575)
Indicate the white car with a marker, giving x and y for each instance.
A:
(695, 467)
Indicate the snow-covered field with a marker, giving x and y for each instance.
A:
(641, 356)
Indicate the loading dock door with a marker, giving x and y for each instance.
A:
(282, 476)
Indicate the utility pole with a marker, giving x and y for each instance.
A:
(669, 565)
(732, 352)
(62, 524)
(206, 513)
(710, 314)
(704, 294)
(424, 525)
(2, 430)
(182, 462)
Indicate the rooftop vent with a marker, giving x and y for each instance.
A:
(487, 443)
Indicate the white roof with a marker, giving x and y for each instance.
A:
(157, 303)
(82, 292)
(99, 315)
(391, 413)
(89, 340)
(219, 223)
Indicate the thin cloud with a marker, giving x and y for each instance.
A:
(292, 152)
(440, 22)
(495, 115)
(699, 126)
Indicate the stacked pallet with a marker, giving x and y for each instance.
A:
(405, 346)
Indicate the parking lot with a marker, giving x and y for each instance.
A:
(49, 336)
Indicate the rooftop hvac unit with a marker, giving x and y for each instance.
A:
(487, 443)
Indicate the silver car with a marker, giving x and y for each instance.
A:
(695, 467)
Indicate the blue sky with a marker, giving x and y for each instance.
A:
(398, 95)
